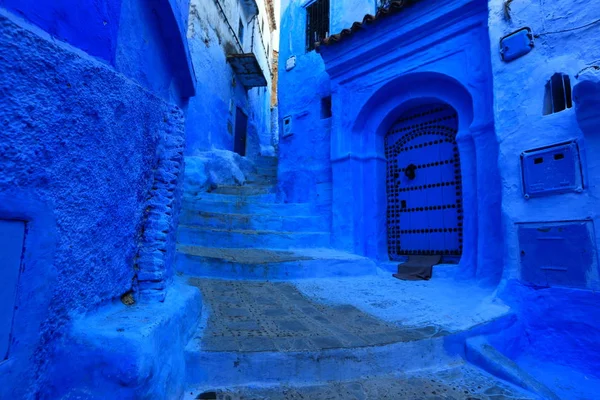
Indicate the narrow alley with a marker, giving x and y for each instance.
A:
(299, 199)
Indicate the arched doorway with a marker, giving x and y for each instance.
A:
(424, 184)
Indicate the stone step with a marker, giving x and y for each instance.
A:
(458, 381)
(257, 179)
(245, 190)
(253, 221)
(266, 161)
(230, 198)
(204, 202)
(270, 264)
(266, 169)
(223, 238)
(268, 333)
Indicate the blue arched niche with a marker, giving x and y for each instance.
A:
(361, 169)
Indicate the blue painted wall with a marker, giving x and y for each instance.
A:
(211, 114)
(145, 40)
(92, 25)
(369, 86)
(79, 146)
(562, 324)
(304, 168)
(152, 48)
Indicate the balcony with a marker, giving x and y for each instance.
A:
(247, 69)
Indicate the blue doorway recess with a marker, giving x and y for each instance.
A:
(241, 132)
(424, 185)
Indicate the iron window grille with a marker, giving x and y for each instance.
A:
(317, 23)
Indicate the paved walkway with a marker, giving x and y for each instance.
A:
(460, 383)
(249, 316)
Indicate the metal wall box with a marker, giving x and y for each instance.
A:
(12, 234)
(287, 126)
(290, 63)
(516, 44)
(551, 170)
(557, 253)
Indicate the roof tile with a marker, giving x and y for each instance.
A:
(394, 7)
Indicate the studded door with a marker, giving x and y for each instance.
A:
(424, 187)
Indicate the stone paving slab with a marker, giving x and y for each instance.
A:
(460, 383)
(250, 316)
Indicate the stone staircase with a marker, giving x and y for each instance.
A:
(262, 334)
(241, 232)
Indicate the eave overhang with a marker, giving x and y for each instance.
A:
(248, 70)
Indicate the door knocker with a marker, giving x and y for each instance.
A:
(410, 171)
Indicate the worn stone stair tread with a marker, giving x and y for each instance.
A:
(459, 381)
(236, 198)
(264, 256)
(251, 186)
(251, 231)
(259, 220)
(255, 327)
(253, 215)
(247, 205)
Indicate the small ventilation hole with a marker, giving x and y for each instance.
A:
(558, 94)
(207, 396)
(326, 107)
(538, 160)
(559, 156)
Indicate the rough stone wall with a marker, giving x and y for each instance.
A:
(79, 145)
(154, 265)
(211, 115)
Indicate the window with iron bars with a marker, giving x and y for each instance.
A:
(383, 4)
(317, 23)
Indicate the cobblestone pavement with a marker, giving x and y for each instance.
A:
(248, 316)
(460, 383)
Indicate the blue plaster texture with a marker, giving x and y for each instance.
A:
(208, 170)
(559, 325)
(586, 96)
(211, 115)
(128, 352)
(145, 40)
(80, 144)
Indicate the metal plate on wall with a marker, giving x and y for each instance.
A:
(557, 253)
(552, 169)
(516, 44)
